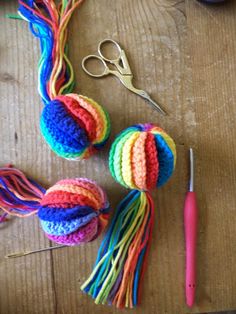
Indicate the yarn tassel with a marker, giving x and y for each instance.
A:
(74, 126)
(19, 195)
(141, 158)
(121, 260)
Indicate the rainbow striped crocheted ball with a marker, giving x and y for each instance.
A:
(73, 211)
(74, 126)
(142, 157)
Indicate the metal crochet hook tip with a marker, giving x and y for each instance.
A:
(20, 254)
(191, 178)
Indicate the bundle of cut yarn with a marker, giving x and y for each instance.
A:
(74, 126)
(71, 212)
(141, 158)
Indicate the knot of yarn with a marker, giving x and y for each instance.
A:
(73, 211)
(142, 157)
(74, 126)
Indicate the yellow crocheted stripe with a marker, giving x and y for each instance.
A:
(126, 160)
(117, 158)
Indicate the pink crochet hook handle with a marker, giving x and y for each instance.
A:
(190, 226)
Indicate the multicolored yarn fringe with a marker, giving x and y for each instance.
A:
(74, 126)
(71, 212)
(141, 158)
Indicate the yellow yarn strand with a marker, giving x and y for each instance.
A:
(72, 76)
(61, 48)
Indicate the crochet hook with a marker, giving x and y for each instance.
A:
(19, 254)
(190, 226)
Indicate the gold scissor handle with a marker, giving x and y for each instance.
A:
(101, 46)
(120, 61)
(87, 59)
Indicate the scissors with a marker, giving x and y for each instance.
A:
(123, 71)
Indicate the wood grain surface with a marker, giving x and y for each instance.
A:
(184, 54)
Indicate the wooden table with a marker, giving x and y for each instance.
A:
(184, 54)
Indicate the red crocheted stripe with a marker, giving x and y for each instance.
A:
(66, 199)
(152, 164)
(80, 115)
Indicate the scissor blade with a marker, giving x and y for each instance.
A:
(155, 105)
(126, 80)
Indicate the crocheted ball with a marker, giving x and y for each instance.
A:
(73, 211)
(142, 157)
(74, 126)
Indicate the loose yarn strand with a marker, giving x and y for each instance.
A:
(21, 2)
(19, 196)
